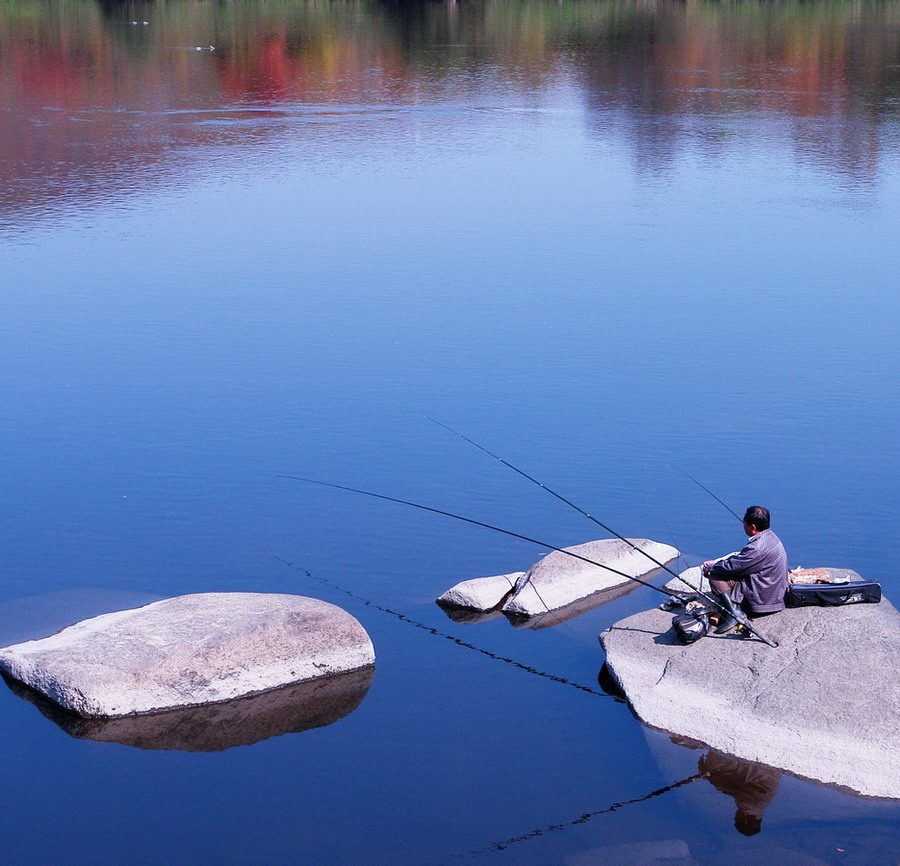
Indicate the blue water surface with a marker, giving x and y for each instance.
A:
(607, 241)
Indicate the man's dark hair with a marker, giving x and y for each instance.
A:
(757, 516)
(746, 823)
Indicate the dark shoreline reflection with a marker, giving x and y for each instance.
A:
(215, 727)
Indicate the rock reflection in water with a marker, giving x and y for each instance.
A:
(548, 619)
(215, 727)
(570, 611)
(467, 616)
(608, 684)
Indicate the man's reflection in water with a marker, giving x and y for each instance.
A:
(753, 787)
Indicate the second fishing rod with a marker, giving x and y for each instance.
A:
(695, 590)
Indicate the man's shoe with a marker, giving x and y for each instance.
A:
(726, 625)
(730, 620)
(672, 603)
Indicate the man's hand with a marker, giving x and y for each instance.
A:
(707, 565)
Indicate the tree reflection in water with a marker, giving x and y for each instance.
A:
(90, 99)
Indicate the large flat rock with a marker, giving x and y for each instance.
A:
(823, 705)
(560, 579)
(189, 651)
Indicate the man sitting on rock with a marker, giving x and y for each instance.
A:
(757, 575)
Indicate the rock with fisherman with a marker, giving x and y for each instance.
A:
(811, 690)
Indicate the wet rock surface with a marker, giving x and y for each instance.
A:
(559, 579)
(550, 619)
(189, 651)
(823, 705)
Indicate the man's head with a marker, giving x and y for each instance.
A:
(746, 823)
(756, 519)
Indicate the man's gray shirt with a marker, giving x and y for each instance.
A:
(761, 572)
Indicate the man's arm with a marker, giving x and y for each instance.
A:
(732, 567)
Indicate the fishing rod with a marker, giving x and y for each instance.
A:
(704, 487)
(562, 498)
(672, 598)
(482, 524)
(733, 611)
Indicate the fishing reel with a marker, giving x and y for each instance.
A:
(697, 619)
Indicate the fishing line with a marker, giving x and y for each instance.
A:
(709, 599)
(582, 819)
(506, 843)
(560, 497)
(477, 523)
(704, 487)
(696, 590)
(431, 630)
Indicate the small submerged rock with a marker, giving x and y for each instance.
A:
(189, 651)
(560, 579)
(823, 705)
(662, 852)
(689, 580)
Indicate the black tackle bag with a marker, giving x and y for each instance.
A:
(832, 594)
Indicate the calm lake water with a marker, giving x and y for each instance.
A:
(605, 239)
